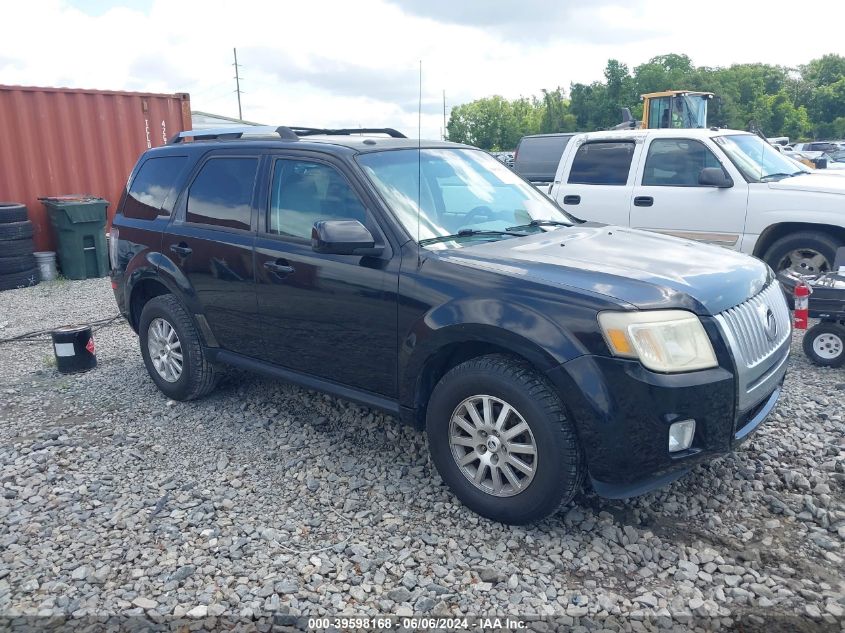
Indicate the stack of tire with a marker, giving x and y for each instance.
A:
(17, 263)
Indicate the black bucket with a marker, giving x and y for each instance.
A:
(74, 349)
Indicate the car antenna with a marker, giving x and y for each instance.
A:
(419, 168)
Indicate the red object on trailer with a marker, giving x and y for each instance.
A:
(59, 141)
(802, 305)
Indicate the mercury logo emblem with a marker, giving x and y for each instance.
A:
(770, 325)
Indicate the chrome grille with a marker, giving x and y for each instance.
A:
(746, 325)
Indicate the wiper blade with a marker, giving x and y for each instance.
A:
(467, 233)
(779, 175)
(533, 223)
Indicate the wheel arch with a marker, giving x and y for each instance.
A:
(427, 367)
(142, 291)
(776, 231)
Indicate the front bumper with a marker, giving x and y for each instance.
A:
(622, 413)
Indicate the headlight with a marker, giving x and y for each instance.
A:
(663, 340)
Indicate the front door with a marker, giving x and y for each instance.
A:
(668, 199)
(211, 242)
(330, 316)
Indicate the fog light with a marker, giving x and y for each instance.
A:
(680, 435)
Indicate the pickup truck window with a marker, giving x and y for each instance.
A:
(221, 194)
(757, 160)
(151, 186)
(675, 162)
(304, 192)
(602, 163)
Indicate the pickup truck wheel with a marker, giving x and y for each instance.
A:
(806, 253)
(501, 440)
(824, 344)
(173, 351)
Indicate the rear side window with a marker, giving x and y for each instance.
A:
(538, 156)
(152, 186)
(602, 163)
(221, 194)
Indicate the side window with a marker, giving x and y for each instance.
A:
(304, 192)
(602, 163)
(658, 113)
(676, 162)
(221, 194)
(151, 187)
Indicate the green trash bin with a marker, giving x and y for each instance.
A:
(80, 224)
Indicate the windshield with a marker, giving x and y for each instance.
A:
(838, 156)
(460, 191)
(756, 159)
(692, 111)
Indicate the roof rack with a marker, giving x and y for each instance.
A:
(312, 131)
(285, 133)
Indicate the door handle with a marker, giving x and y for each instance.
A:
(643, 201)
(280, 267)
(181, 249)
(571, 199)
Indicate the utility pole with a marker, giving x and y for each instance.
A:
(444, 114)
(238, 84)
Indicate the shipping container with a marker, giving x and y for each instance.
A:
(60, 141)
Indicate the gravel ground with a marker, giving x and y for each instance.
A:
(269, 499)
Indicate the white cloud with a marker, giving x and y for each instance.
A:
(335, 62)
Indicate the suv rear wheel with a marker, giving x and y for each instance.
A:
(173, 351)
(500, 439)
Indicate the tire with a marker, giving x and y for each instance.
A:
(16, 264)
(16, 230)
(22, 279)
(824, 344)
(558, 463)
(197, 377)
(810, 242)
(15, 248)
(12, 212)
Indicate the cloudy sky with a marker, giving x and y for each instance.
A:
(356, 62)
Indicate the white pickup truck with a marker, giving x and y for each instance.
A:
(718, 186)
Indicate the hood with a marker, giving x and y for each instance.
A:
(816, 181)
(646, 270)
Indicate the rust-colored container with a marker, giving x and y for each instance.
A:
(60, 141)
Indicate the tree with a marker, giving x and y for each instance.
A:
(824, 71)
(795, 102)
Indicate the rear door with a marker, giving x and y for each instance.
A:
(330, 316)
(668, 199)
(211, 242)
(596, 180)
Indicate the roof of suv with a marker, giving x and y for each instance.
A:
(266, 136)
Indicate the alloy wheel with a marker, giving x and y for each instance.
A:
(165, 350)
(493, 445)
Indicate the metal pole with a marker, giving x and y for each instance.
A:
(238, 85)
(444, 114)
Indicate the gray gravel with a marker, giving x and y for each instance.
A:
(266, 498)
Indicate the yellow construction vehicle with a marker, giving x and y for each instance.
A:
(670, 109)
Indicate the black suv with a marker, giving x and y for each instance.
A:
(430, 281)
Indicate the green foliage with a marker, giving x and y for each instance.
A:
(808, 102)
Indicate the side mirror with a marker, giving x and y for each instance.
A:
(343, 237)
(714, 177)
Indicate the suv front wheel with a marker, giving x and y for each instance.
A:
(500, 439)
(173, 351)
